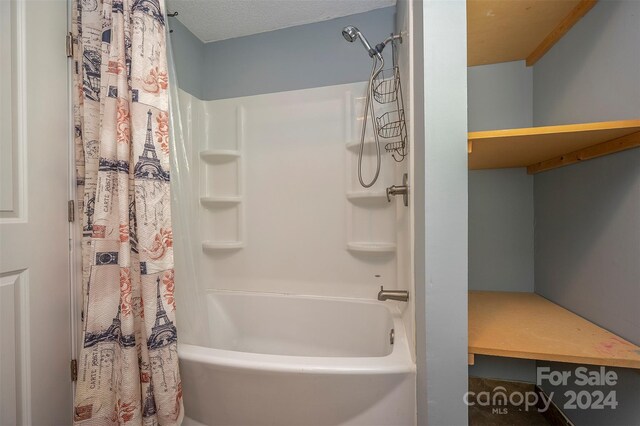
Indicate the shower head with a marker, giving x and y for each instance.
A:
(351, 33)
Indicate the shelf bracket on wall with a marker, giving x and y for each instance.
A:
(605, 148)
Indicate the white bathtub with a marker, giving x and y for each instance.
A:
(298, 360)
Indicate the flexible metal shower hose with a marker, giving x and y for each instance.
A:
(374, 74)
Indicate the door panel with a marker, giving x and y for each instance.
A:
(35, 337)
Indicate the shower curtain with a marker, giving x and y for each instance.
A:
(128, 363)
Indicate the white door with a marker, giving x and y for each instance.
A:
(35, 336)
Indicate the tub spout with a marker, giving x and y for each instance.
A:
(399, 295)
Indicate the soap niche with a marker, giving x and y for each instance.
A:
(221, 193)
(370, 216)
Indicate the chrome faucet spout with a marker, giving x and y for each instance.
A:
(399, 295)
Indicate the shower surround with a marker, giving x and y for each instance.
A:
(278, 205)
(291, 250)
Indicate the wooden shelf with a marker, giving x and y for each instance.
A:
(505, 31)
(545, 148)
(372, 247)
(525, 325)
(219, 155)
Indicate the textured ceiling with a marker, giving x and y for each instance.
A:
(213, 20)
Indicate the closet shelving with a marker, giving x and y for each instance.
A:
(545, 148)
(526, 325)
(504, 31)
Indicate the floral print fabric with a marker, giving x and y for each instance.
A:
(128, 365)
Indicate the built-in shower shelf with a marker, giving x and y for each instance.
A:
(221, 245)
(219, 155)
(377, 196)
(220, 201)
(372, 247)
(355, 146)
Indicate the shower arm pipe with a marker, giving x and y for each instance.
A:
(374, 74)
(393, 37)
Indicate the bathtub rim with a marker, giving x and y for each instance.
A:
(399, 361)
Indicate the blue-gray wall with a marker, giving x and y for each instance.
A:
(301, 57)
(587, 236)
(501, 230)
(500, 96)
(188, 56)
(500, 200)
(592, 73)
(587, 259)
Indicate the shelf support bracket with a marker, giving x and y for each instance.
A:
(605, 148)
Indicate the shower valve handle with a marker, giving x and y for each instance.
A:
(400, 190)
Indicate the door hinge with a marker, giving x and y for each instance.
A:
(69, 45)
(71, 213)
(74, 370)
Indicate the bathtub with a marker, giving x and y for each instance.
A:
(299, 360)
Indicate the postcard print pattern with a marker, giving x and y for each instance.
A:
(128, 365)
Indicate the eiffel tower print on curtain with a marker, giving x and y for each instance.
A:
(149, 407)
(163, 332)
(151, 8)
(148, 166)
(112, 334)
